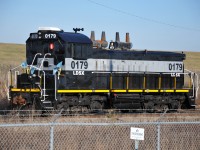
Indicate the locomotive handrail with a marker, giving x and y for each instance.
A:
(136, 72)
(16, 74)
(197, 83)
(44, 59)
(126, 72)
(11, 75)
(55, 80)
(195, 87)
(9, 84)
(35, 57)
(193, 76)
(44, 89)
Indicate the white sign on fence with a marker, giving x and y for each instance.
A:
(137, 133)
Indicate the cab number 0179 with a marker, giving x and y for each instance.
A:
(175, 66)
(50, 36)
(79, 64)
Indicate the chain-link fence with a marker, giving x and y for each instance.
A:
(81, 133)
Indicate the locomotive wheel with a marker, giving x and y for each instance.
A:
(96, 105)
(161, 107)
(36, 108)
(185, 105)
(175, 105)
(64, 106)
(150, 107)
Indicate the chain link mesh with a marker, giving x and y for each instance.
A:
(98, 136)
(180, 136)
(174, 131)
(24, 138)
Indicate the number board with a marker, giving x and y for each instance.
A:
(33, 36)
(41, 35)
(47, 35)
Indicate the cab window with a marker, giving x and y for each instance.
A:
(79, 51)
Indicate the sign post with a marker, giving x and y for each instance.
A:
(137, 134)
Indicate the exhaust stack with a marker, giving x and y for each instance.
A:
(121, 45)
(117, 37)
(92, 36)
(99, 43)
(127, 38)
(103, 36)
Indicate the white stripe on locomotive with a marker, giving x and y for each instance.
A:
(123, 65)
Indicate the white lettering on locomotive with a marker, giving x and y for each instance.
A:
(78, 73)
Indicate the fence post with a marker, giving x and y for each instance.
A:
(52, 129)
(158, 136)
(51, 137)
(136, 144)
(158, 128)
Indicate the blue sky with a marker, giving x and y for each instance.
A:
(153, 24)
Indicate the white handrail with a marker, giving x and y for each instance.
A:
(195, 87)
(35, 57)
(197, 84)
(44, 88)
(44, 59)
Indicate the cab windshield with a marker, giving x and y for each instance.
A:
(54, 47)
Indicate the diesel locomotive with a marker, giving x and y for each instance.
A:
(70, 70)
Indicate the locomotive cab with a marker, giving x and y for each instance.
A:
(44, 51)
(43, 42)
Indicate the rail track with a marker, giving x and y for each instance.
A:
(108, 114)
(97, 112)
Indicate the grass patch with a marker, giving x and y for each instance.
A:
(12, 54)
(192, 61)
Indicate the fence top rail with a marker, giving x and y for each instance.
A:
(96, 124)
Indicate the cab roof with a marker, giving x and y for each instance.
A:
(74, 38)
(68, 37)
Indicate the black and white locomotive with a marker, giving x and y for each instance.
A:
(68, 69)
